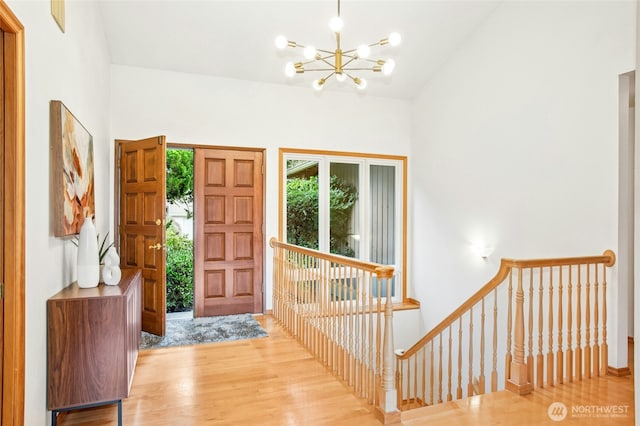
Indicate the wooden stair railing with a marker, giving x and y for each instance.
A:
(545, 315)
(337, 308)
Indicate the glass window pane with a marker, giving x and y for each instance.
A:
(344, 217)
(383, 217)
(302, 203)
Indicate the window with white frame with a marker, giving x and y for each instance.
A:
(350, 204)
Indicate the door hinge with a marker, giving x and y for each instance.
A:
(1, 290)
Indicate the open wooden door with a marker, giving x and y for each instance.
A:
(142, 205)
(228, 235)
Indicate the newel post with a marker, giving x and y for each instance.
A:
(388, 403)
(518, 380)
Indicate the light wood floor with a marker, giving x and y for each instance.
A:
(267, 381)
(274, 381)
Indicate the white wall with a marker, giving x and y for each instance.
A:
(197, 109)
(636, 294)
(71, 67)
(626, 208)
(517, 141)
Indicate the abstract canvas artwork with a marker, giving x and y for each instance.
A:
(72, 177)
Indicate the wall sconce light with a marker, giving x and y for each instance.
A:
(483, 251)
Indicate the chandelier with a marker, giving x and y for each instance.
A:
(339, 63)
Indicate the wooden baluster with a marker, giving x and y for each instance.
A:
(550, 381)
(507, 364)
(423, 398)
(336, 324)
(349, 310)
(518, 381)
(530, 355)
(408, 382)
(357, 323)
(481, 378)
(349, 331)
(302, 306)
(494, 370)
(366, 319)
(459, 389)
(400, 396)
(569, 330)
(596, 346)
(578, 353)
(449, 368)
(587, 313)
(378, 332)
(440, 370)
(560, 353)
(470, 384)
(375, 349)
(318, 323)
(431, 374)
(605, 347)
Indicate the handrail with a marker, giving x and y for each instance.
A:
(383, 271)
(608, 259)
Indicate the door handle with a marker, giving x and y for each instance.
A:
(156, 246)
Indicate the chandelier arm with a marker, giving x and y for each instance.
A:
(324, 58)
(352, 57)
(319, 60)
(320, 69)
(352, 78)
(349, 61)
(326, 51)
(327, 62)
(375, 61)
(359, 69)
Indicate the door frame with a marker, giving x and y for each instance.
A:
(14, 192)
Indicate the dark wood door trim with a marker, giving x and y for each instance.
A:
(14, 219)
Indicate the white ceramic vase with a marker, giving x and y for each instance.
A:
(88, 262)
(111, 273)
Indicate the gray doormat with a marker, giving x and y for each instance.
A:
(204, 330)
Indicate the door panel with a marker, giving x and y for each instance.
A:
(228, 238)
(142, 219)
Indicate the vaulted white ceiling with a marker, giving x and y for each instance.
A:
(235, 39)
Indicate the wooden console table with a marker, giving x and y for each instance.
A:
(93, 337)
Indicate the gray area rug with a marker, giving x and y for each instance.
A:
(205, 330)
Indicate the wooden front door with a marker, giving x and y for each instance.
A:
(142, 201)
(228, 236)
